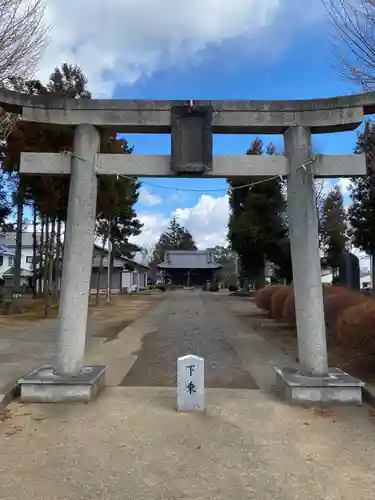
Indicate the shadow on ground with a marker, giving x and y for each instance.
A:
(189, 323)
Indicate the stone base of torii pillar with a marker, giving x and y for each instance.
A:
(313, 382)
(69, 379)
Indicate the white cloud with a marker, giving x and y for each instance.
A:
(207, 222)
(344, 185)
(120, 41)
(153, 225)
(147, 198)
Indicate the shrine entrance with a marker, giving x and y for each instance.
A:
(192, 125)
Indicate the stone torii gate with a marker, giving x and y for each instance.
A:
(191, 125)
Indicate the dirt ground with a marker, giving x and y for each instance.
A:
(357, 362)
(131, 444)
(112, 318)
(121, 312)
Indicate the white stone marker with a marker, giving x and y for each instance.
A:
(190, 383)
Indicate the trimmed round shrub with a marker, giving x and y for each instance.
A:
(335, 304)
(289, 312)
(278, 302)
(356, 326)
(334, 289)
(264, 296)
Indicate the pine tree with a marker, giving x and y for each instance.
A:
(116, 196)
(176, 237)
(257, 223)
(334, 228)
(362, 192)
(117, 220)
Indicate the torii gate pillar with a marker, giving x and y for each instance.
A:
(68, 379)
(313, 381)
(78, 250)
(304, 243)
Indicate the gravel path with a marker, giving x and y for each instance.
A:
(190, 322)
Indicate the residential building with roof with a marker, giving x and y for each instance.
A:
(8, 240)
(127, 274)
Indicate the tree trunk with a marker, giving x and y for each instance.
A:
(373, 272)
(18, 256)
(34, 281)
(41, 260)
(51, 248)
(57, 272)
(111, 263)
(100, 272)
(260, 279)
(62, 249)
(46, 262)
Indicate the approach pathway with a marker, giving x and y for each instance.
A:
(190, 322)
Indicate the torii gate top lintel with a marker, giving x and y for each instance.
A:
(192, 139)
(321, 115)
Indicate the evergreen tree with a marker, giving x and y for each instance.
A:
(221, 254)
(257, 223)
(176, 237)
(49, 194)
(116, 217)
(362, 192)
(334, 228)
(5, 202)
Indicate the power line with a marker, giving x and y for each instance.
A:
(231, 188)
(202, 191)
(250, 185)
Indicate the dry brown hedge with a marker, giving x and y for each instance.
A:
(335, 304)
(356, 326)
(334, 289)
(278, 302)
(264, 296)
(289, 312)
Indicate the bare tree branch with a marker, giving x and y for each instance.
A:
(23, 37)
(354, 25)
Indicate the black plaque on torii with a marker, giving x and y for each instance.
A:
(191, 140)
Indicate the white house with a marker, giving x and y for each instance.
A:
(8, 241)
(366, 281)
(327, 276)
(6, 258)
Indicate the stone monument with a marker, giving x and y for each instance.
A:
(190, 383)
(349, 271)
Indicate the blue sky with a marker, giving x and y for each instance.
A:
(160, 49)
(292, 75)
